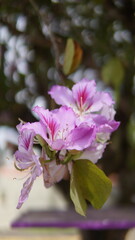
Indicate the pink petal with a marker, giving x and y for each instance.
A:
(53, 173)
(61, 95)
(83, 92)
(25, 191)
(48, 121)
(37, 127)
(108, 112)
(26, 140)
(58, 144)
(35, 172)
(23, 160)
(67, 118)
(81, 137)
(100, 100)
(104, 125)
(93, 153)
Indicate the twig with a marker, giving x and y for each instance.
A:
(45, 21)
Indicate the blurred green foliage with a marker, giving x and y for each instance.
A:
(105, 30)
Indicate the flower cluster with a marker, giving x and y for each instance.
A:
(79, 129)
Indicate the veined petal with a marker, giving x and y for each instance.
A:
(48, 119)
(62, 95)
(81, 137)
(83, 93)
(26, 140)
(25, 191)
(35, 172)
(37, 127)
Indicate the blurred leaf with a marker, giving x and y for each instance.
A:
(77, 56)
(77, 195)
(69, 83)
(88, 182)
(113, 72)
(73, 56)
(69, 55)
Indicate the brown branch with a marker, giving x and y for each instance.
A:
(43, 19)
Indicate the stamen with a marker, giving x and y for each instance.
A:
(19, 169)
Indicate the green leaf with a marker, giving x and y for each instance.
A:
(73, 56)
(113, 72)
(69, 55)
(77, 196)
(88, 182)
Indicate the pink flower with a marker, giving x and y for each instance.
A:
(26, 159)
(79, 129)
(92, 108)
(83, 98)
(58, 129)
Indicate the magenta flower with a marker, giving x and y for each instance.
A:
(58, 129)
(26, 159)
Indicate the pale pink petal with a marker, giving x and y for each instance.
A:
(35, 172)
(25, 191)
(109, 127)
(19, 127)
(106, 98)
(53, 173)
(93, 153)
(58, 144)
(108, 112)
(81, 137)
(37, 168)
(37, 127)
(100, 100)
(62, 95)
(26, 140)
(104, 125)
(67, 119)
(23, 160)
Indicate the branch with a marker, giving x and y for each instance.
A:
(43, 19)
